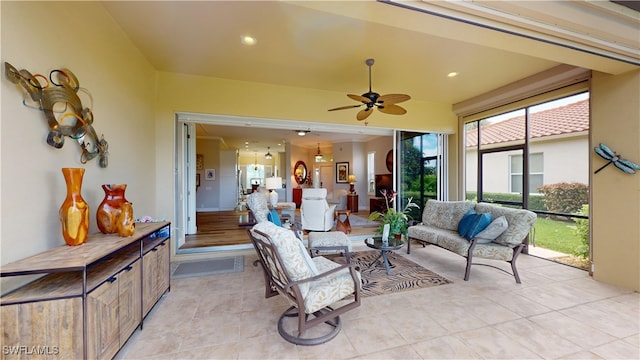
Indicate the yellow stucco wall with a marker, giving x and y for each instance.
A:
(89, 43)
(615, 205)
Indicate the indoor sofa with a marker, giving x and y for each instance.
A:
(441, 222)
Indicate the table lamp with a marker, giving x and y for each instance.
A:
(351, 179)
(273, 183)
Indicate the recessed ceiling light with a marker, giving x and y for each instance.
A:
(248, 40)
(452, 74)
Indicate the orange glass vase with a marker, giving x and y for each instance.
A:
(126, 225)
(74, 211)
(110, 208)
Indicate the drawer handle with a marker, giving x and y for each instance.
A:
(111, 279)
(128, 268)
(154, 249)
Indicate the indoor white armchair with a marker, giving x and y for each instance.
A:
(315, 213)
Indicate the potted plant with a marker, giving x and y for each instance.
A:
(397, 220)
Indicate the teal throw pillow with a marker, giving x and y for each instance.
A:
(473, 223)
(274, 217)
(466, 222)
(480, 222)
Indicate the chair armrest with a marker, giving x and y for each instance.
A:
(329, 214)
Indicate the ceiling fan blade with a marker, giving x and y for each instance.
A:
(345, 107)
(360, 98)
(363, 114)
(392, 109)
(392, 98)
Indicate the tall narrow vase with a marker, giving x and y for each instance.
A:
(110, 208)
(74, 211)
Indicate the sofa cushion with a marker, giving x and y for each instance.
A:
(520, 222)
(472, 223)
(445, 214)
(432, 234)
(491, 232)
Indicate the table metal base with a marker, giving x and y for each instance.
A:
(385, 261)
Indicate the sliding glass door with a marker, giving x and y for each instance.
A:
(422, 169)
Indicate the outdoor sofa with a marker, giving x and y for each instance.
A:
(502, 239)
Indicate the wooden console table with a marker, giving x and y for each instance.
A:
(343, 225)
(91, 297)
(377, 204)
(352, 202)
(297, 196)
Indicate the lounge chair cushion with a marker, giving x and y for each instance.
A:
(295, 258)
(330, 289)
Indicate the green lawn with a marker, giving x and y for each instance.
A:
(556, 235)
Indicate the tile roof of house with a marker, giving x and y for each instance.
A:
(570, 118)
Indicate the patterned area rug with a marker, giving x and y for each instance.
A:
(405, 274)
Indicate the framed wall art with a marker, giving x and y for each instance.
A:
(342, 172)
(210, 174)
(199, 161)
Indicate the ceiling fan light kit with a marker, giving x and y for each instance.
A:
(384, 103)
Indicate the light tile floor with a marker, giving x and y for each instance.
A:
(558, 312)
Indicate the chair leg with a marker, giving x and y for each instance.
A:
(467, 272)
(516, 252)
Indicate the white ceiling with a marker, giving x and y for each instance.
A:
(323, 45)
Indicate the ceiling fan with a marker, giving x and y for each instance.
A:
(384, 103)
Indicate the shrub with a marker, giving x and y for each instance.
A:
(565, 198)
(582, 231)
(535, 201)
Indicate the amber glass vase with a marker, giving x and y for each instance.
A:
(110, 208)
(126, 225)
(74, 211)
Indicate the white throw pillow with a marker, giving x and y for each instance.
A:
(491, 232)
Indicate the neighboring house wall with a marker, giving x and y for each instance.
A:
(565, 160)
